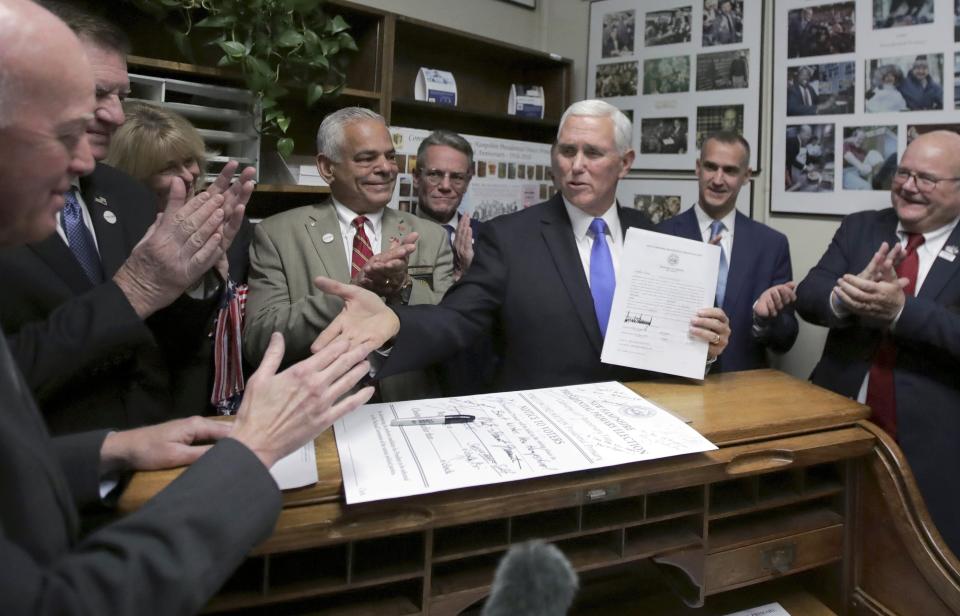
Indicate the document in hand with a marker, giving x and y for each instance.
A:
(515, 435)
(663, 281)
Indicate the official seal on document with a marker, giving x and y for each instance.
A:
(639, 412)
(673, 258)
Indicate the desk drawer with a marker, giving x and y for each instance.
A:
(770, 559)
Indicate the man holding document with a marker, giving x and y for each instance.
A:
(542, 280)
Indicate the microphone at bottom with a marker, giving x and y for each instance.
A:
(533, 579)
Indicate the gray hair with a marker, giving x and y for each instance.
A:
(330, 133)
(622, 126)
(16, 32)
(449, 139)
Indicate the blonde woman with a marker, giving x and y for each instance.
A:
(156, 145)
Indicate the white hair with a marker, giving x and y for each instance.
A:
(330, 133)
(14, 32)
(622, 126)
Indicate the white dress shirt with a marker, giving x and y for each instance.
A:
(726, 238)
(373, 228)
(580, 222)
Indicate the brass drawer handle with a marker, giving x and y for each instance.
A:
(780, 559)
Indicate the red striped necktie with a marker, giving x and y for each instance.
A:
(881, 394)
(361, 247)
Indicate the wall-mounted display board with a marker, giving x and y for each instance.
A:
(508, 175)
(663, 199)
(680, 69)
(854, 82)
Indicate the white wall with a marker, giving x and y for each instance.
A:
(561, 27)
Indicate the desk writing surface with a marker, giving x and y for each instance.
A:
(728, 409)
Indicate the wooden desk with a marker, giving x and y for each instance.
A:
(796, 472)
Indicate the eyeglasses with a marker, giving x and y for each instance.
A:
(924, 182)
(434, 177)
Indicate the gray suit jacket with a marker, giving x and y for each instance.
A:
(290, 249)
(167, 558)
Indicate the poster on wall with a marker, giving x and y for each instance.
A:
(508, 175)
(680, 69)
(854, 82)
(663, 199)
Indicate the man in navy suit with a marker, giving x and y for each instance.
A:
(755, 273)
(444, 171)
(542, 279)
(894, 318)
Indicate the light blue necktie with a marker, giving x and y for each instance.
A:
(602, 278)
(716, 228)
(79, 238)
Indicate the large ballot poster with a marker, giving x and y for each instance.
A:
(508, 175)
(513, 435)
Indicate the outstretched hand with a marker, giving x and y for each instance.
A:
(364, 319)
(160, 446)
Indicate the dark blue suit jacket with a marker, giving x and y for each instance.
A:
(760, 259)
(927, 372)
(527, 289)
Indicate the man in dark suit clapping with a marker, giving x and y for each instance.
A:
(542, 280)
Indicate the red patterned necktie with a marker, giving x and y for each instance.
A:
(881, 395)
(361, 247)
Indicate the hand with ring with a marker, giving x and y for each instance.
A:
(712, 326)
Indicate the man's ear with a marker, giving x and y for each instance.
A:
(627, 162)
(325, 167)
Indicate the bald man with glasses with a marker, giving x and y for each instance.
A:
(888, 288)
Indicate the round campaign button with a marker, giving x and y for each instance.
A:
(327, 238)
(110, 217)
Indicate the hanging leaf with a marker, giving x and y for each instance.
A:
(346, 42)
(290, 38)
(233, 49)
(283, 122)
(338, 24)
(314, 93)
(285, 147)
(216, 21)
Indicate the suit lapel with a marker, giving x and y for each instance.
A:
(741, 262)
(941, 271)
(322, 223)
(688, 226)
(558, 236)
(111, 240)
(56, 254)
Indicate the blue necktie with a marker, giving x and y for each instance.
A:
(79, 238)
(716, 228)
(602, 279)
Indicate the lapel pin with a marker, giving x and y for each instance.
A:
(101, 200)
(327, 238)
(110, 217)
(949, 253)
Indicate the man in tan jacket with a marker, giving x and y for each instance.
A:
(352, 237)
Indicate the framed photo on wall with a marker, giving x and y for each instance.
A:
(663, 199)
(680, 69)
(854, 82)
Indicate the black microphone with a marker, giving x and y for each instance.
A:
(533, 579)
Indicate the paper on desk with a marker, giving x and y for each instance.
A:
(662, 282)
(770, 609)
(298, 469)
(516, 435)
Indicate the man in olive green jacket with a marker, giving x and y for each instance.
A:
(351, 237)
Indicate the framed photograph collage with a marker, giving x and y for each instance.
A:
(679, 69)
(854, 81)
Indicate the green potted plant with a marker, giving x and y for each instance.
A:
(280, 46)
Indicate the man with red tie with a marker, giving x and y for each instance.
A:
(888, 289)
(352, 237)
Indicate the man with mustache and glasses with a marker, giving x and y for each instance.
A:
(889, 290)
(354, 238)
(754, 286)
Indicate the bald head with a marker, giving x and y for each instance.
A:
(926, 186)
(46, 100)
